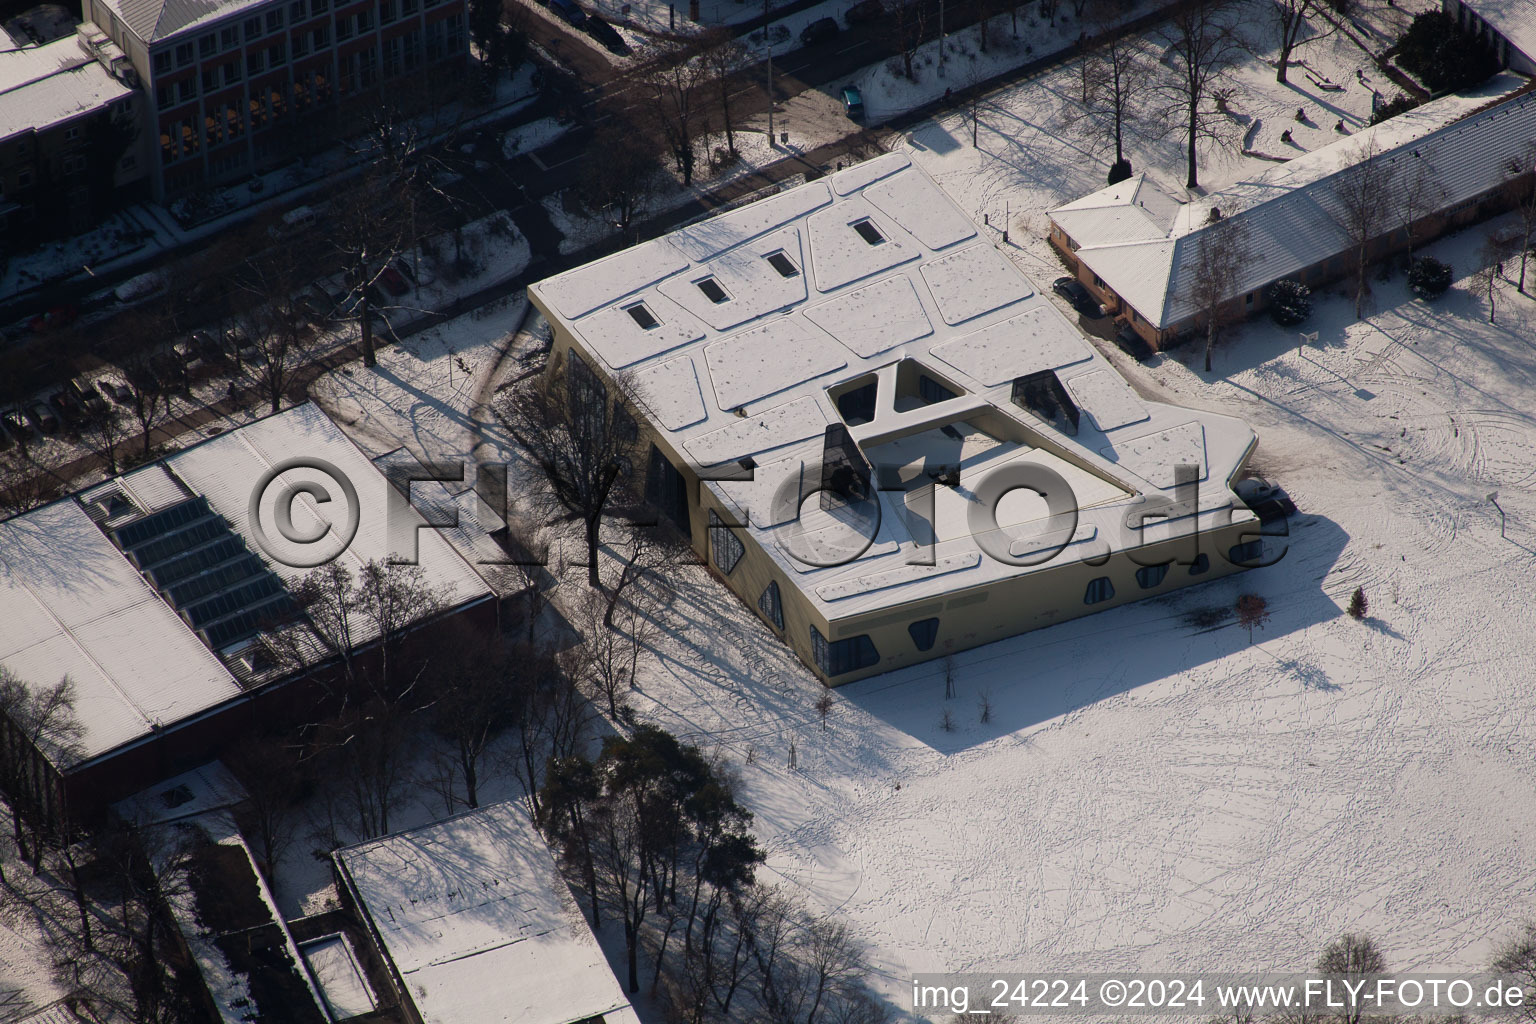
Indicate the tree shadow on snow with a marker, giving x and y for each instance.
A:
(1050, 673)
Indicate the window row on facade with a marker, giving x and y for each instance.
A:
(235, 35)
(228, 120)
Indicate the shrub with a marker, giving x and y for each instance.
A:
(1429, 278)
(1437, 52)
(1399, 104)
(1119, 170)
(1290, 302)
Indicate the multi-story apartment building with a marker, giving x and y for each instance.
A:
(232, 86)
(68, 133)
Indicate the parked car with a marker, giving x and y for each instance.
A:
(17, 425)
(865, 12)
(1268, 502)
(570, 10)
(819, 31)
(43, 419)
(1133, 344)
(853, 103)
(68, 407)
(606, 34)
(393, 281)
(1071, 289)
(54, 319)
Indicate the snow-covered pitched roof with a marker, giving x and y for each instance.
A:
(153, 20)
(872, 274)
(1291, 215)
(1515, 20)
(44, 85)
(74, 604)
(476, 918)
(1131, 210)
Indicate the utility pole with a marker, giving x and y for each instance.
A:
(768, 42)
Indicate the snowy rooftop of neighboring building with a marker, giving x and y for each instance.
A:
(153, 20)
(1515, 20)
(1291, 214)
(44, 85)
(748, 320)
(480, 925)
(75, 604)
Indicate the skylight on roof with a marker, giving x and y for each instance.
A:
(712, 290)
(782, 263)
(868, 231)
(642, 316)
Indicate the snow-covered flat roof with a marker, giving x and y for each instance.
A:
(43, 85)
(480, 925)
(74, 604)
(752, 317)
(1143, 242)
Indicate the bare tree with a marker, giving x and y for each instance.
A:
(1491, 257)
(148, 398)
(1518, 957)
(1526, 208)
(367, 235)
(1220, 253)
(474, 696)
(675, 87)
(1365, 194)
(611, 653)
(272, 321)
(1291, 19)
(621, 175)
(903, 28)
(269, 769)
(1114, 74)
(105, 430)
(1419, 192)
(723, 56)
(44, 719)
(1352, 958)
(553, 718)
(24, 486)
(1202, 47)
(581, 440)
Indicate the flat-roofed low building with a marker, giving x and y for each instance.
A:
(71, 146)
(157, 597)
(476, 925)
(882, 436)
(1137, 245)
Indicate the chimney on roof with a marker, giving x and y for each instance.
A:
(1215, 215)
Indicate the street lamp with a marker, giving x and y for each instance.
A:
(768, 43)
(1493, 499)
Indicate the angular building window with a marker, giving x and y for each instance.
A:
(725, 548)
(840, 656)
(1202, 563)
(924, 633)
(1150, 576)
(771, 605)
(1099, 590)
(1246, 555)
